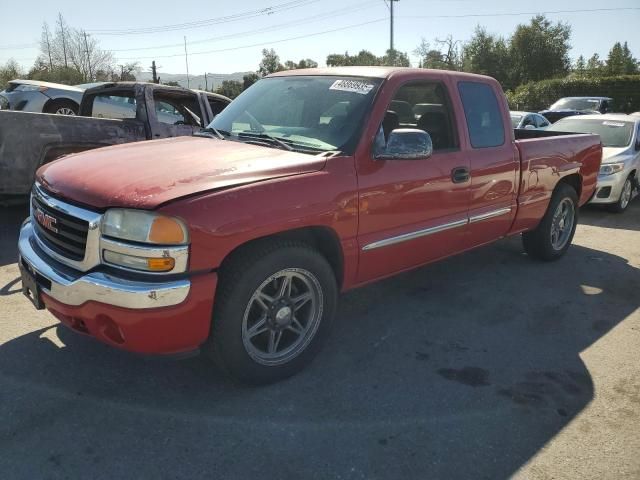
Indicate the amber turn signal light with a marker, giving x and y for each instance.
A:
(166, 230)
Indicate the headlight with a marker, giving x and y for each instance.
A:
(143, 227)
(611, 168)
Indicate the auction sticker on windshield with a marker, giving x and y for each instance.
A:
(354, 86)
(613, 124)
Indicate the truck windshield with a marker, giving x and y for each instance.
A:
(309, 113)
(613, 133)
(579, 104)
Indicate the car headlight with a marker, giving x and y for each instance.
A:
(611, 168)
(158, 239)
(143, 227)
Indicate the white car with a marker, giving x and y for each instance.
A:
(528, 120)
(620, 135)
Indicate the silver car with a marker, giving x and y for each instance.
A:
(43, 97)
(620, 135)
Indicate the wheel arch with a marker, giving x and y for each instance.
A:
(574, 180)
(322, 238)
(52, 101)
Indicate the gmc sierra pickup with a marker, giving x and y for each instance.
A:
(236, 242)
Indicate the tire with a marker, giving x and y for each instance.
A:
(235, 344)
(625, 197)
(62, 107)
(539, 243)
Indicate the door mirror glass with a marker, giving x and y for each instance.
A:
(405, 144)
(529, 127)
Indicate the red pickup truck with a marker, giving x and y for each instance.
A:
(237, 241)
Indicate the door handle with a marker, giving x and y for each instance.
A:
(460, 175)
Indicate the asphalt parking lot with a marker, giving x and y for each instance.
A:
(484, 366)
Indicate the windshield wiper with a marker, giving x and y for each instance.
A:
(267, 137)
(215, 131)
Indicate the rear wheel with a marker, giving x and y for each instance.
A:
(62, 107)
(274, 308)
(625, 197)
(552, 237)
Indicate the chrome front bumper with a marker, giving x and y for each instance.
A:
(74, 288)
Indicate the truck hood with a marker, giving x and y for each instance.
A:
(147, 174)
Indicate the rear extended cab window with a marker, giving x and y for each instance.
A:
(482, 113)
(115, 105)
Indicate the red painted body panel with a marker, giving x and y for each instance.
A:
(176, 329)
(544, 162)
(230, 193)
(147, 174)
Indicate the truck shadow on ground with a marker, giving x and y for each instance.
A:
(463, 369)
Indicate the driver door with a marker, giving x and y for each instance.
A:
(175, 115)
(413, 211)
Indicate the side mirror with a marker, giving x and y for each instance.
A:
(529, 127)
(405, 144)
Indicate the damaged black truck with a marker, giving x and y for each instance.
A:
(110, 114)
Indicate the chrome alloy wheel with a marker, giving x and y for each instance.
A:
(562, 224)
(625, 196)
(282, 316)
(65, 111)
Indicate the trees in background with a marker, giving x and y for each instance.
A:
(230, 88)
(539, 50)
(69, 55)
(366, 58)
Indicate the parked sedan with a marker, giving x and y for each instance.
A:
(528, 120)
(620, 135)
(570, 106)
(42, 97)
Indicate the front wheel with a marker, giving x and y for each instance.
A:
(625, 197)
(274, 308)
(552, 237)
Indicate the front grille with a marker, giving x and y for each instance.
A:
(70, 239)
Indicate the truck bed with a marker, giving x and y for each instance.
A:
(547, 157)
(30, 139)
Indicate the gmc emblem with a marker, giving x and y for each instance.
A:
(47, 221)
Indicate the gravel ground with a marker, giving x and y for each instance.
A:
(486, 366)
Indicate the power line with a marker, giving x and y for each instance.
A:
(333, 13)
(547, 12)
(262, 43)
(207, 22)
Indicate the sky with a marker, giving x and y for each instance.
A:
(227, 37)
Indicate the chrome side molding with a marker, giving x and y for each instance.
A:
(488, 215)
(437, 229)
(417, 234)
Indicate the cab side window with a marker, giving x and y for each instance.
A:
(483, 114)
(425, 106)
(176, 108)
(114, 105)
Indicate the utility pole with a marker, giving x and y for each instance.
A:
(154, 72)
(206, 85)
(186, 59)
(391, 2)
(86, 48)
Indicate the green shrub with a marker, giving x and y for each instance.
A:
(535, 96)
